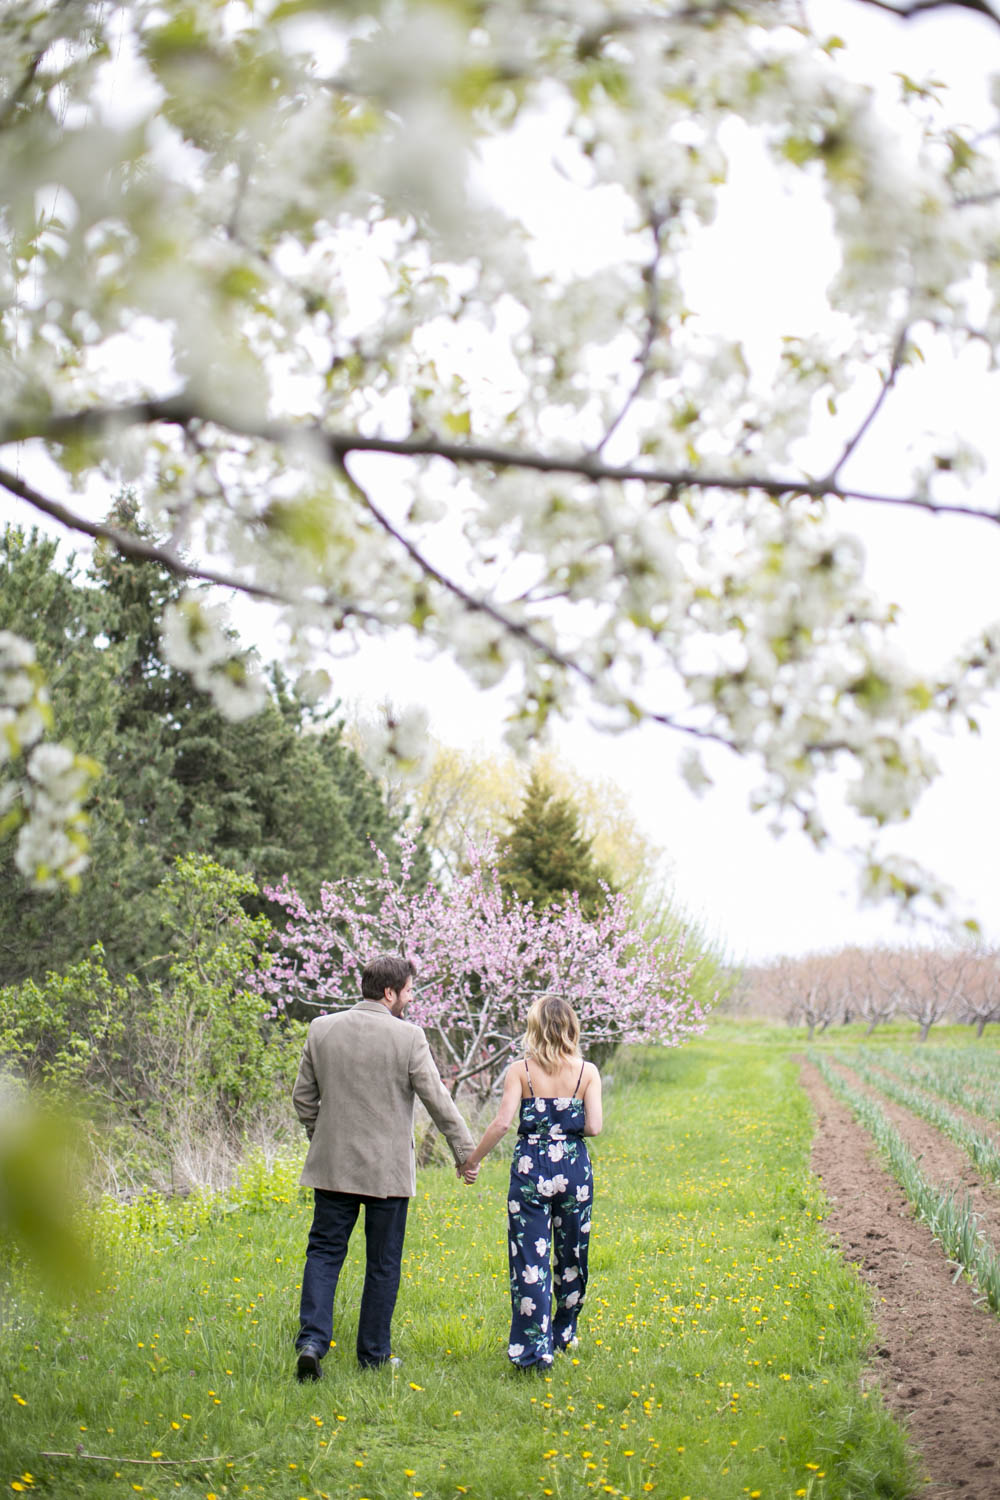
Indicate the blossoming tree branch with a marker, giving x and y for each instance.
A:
(254, 266)
(481, 960)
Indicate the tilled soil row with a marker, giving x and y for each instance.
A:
(941, 1160)
(938, 1353)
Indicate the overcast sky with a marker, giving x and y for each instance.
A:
(759, 272)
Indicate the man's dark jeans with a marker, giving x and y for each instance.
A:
(334, 1216)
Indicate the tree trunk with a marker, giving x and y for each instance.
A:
(600, 1053)
(428, 1145)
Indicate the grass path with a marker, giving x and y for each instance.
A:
(720, 1348)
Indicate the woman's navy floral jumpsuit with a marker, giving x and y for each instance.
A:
(551, 1190)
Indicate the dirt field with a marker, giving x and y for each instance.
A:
(938, 1356)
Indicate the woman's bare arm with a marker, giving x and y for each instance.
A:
(494, 1132)
(593, 1107)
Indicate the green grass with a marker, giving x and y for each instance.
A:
(759, 1032)
(721, 1345)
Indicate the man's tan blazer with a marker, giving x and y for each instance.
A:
(360, 1076)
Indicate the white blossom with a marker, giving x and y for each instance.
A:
(367, 277)
(197, 639)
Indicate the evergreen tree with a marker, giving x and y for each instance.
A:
(276, 794)
(548, 855)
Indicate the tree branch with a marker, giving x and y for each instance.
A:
(887, 385)
(651, 276)
(177, 411)
(912, 8)
(473, 604)
(129, 544)
(136, 547)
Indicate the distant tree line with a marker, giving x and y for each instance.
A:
(876, 985)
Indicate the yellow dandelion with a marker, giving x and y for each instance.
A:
(414, 1386)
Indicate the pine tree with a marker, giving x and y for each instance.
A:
(548, 854)
(276, 794)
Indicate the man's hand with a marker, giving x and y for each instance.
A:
(466, 1173)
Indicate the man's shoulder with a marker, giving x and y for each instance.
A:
(360, 1017)
(319, 1024)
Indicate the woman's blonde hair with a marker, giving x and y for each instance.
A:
(552, 1033)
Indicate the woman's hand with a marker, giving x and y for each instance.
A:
(467, 1173)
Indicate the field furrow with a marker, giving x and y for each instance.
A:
(937, 1352)
(943, 1163)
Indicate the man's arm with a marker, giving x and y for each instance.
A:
(426, 1082)
(305, 1094)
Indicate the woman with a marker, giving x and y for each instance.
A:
(551, 1184)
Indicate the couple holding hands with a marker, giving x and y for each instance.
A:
(361, 1072)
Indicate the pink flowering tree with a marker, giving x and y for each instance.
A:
(481, 960)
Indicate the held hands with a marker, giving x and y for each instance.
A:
(466, 1173)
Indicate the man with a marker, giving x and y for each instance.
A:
(360, 1076)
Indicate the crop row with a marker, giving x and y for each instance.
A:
(963, 1075)
(953, 1223)
(979, 1147)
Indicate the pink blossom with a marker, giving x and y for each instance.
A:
(481, 960)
